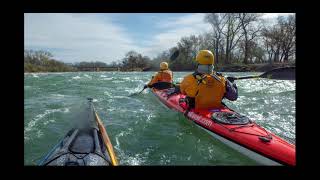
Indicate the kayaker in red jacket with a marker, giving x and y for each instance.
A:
(206, 88)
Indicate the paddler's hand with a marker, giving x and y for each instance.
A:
(145, 86)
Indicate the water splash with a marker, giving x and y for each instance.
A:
(33, 124)
(76, 77)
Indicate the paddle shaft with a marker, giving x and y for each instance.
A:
(247, 77)
(142, 90)
(285, 73)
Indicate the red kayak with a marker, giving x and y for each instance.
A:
(236, 131)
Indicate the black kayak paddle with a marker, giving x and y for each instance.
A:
(284, 73)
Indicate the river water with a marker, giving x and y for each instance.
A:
(142, 131)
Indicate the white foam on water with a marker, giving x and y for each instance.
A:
(103, 76)
(140, 81)
(31, 126)
(58, 95)
(39, 134)
(35, 75)
(117, 146)
(164, 160)
(179, 79)
(125, 158)
(121, 97)
(95, 100)
(49, 121)
(110, 100)
(136, 160)
(76, 77)
(149, 117)
(136, 81)
(121, 134)
(107, 93)
(26, 138)
(211, 152)
(189, 158)
(126, 78)
(133, 90)
(107, 79)
(257, 116)
(117, 82)
(88, 76)
(266, 85)
(179, 136)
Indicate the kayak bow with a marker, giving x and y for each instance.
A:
(87, 144)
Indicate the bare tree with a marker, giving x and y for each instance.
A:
(279, 39)
(207, 41)
(231, 34)
(272, 43)
(288, 30)
(250, 29)
(217, 22)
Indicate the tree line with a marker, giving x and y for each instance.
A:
(42, 61)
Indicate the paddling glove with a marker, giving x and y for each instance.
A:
(231, 91)
(177, 89)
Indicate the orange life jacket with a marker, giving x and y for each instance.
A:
(162, 76)
(208, 90)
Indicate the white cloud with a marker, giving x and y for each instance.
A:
(195, 19)
(174, 30)
(90, 37)
(271, 18)
(275, 15)
(80, 36)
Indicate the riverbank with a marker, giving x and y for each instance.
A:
(251, 67)
(220, 68)
(240, 67)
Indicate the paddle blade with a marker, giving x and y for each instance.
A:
(136, 93)
(174, 55)
(285, 73)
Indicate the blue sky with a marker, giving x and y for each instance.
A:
(107, 37)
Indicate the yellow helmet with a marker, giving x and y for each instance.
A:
(205, 57)
(164, 66)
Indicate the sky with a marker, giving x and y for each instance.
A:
(108, 37)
